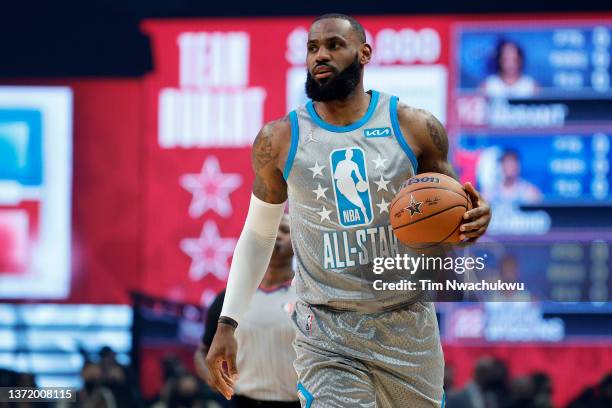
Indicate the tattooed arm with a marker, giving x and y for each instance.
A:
(429, 142)
(253, 250)
(269, 153)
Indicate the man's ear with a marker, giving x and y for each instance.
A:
(365, 53)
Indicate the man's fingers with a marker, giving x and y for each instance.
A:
(222, 384)
(471, 191)
(475, 233)
(227, 380)
(475, 212)
(231, 365)
(473, 236)
(219, 379)
(474, 225)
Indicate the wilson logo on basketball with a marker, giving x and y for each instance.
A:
(416, 180)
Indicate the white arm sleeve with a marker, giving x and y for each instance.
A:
(251, 256)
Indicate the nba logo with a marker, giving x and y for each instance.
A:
(351, 186)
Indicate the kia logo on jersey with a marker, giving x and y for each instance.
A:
(377, 132)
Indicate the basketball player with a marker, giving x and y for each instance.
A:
(265, 336)
(355, 347)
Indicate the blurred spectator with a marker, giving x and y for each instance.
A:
(509, 81)
(186, 393)
(522, 390)
(605, 390)
(599, 396)
(532, 391)
(94, 394)
(487, 390)
(108, 358)
(543, 390)
(512, 188)
(116, 379)
(172, 368)
(449, 378)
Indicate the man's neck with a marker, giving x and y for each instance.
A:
(346, 111)
(277, 275)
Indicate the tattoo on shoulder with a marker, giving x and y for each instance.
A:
(263, 153)
(437, 133)
(269, 184)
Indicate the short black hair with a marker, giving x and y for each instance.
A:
(510, 153)
(355, 25)
(499, 47)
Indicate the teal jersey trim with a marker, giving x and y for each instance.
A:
(398, 134)
(306, 394)
(341, 129)
(295, 138)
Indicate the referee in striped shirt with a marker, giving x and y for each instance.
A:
(265, 336)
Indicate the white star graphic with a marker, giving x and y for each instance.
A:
(316, 169)
(382, 184)
(324, 214)
(320, 192)
(379, 162)
(208, 253)
(383, 206)
(211, 189)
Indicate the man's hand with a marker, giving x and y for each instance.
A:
(199, 360)
(478, 218)
(221, 361)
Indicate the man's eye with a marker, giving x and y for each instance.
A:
(312, 48)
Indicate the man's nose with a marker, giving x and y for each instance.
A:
(323, 54)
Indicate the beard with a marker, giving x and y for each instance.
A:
(337, 87)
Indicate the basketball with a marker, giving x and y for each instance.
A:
(429, 210)
(361, 186)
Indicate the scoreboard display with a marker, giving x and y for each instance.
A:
(564, 169)
(565, 60)
(531, 124)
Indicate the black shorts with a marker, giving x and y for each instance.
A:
(240, 401)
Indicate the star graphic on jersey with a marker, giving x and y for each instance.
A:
(208, 253)
(320, 192)
(383, 206)
(382, 184)
(210, 189)
(415, 206)
(316, 169)
(379, 162)
(324, 214)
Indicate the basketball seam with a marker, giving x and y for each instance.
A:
(446, 237)
(436, 243)
(430, 215)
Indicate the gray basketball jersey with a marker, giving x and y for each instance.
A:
(341, 181)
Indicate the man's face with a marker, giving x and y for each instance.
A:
(282, 246)
(511, 167)
(510, 60)
(335, 58)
